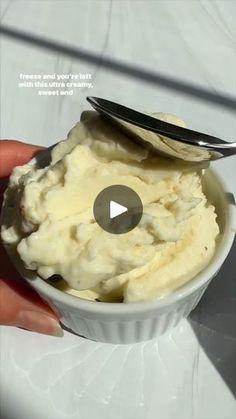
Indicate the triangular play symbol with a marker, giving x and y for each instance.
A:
(116, 209)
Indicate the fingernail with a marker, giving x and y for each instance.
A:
(39, 322)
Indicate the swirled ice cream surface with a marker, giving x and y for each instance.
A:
(48, 217)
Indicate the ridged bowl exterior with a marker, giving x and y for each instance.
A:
(136, 328)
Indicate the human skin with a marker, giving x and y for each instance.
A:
(20, 305)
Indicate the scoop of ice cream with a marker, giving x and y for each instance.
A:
(48, 217)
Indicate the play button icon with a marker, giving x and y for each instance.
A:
(117, 209)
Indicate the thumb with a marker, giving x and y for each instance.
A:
(21, 306)
(15, 153)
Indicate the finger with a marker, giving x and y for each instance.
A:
(15, 153)
(21, 306)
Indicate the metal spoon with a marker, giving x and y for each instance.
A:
(172, 140)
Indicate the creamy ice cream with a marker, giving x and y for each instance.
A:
(48, 217)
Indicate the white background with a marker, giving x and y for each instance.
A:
(189, 373)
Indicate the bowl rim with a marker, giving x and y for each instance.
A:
(199, 281)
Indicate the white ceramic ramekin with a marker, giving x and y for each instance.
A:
(135, 322)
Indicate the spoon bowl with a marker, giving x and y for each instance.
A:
(162, 137)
